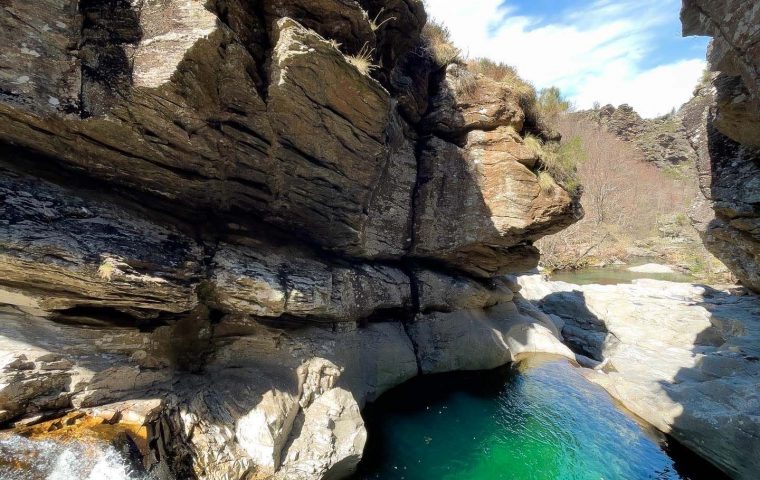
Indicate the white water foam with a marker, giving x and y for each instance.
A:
(47, 460)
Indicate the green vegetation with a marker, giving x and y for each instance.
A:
(551, 103)
(560, 161)
(546, 182)
(678, 172)
(706, 79)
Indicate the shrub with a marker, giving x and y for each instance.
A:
(560, 161)
(437, 41)
(551, 104)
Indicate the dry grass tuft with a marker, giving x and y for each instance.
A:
(504, 74)
(335, 44)
(437, 40)
(464, 83)
(546, 182)
(534, 144)
(363, 60)
(374, 25)
(108, 268)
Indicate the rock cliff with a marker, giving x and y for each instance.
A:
(729, 155)
(662, 141)
(235, 222)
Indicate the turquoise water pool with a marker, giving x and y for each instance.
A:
(542, 420)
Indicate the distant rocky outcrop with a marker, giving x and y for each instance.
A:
(236, 222)
(728, 145)
(662, 141)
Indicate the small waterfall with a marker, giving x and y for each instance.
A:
(25, 459)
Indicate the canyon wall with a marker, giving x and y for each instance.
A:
(728, 147)
(662, 141)
(235, 222)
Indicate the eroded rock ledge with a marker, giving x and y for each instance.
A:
(216, 226)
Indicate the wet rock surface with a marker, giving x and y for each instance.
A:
(216, 226)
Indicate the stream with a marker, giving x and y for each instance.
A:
(537, 420)
(614, 274)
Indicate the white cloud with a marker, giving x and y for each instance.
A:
(593, 54)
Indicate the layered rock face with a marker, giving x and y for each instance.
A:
(729, 157)
(662, 141)
(217, 225)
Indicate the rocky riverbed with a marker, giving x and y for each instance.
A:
(231, 224)
(685, 358)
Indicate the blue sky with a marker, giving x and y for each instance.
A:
(610, 51)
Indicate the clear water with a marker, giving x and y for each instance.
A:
(613, 275)
(542, 421)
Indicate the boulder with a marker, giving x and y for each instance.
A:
(478, 339)
(512, 208)
(464, 101)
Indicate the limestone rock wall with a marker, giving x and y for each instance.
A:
(729, 155)
(214, 223)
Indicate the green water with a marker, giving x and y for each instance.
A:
(539, 422)
(613, 275)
